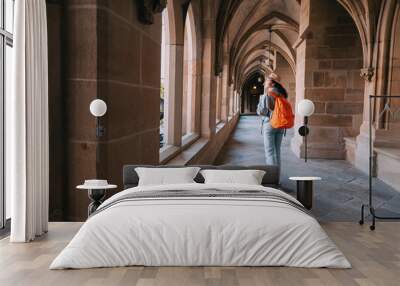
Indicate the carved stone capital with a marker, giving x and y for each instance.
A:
(147, 9)
(367, 73)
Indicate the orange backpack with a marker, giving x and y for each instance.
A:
(282, 116)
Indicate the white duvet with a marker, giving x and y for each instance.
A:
(200, 231)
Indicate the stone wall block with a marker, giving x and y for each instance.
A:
(347, 64)
(331, 135)
(324, 64)
(150, 59)
(344, 108)
(342, 30)
(340, 53)
(82, 43)
(121, 60)
(331, 120)
(80, 123)
(354, 95)
(322, 53)
(325, 94)
(319, 79)
(341, 41)
(357, 81)
(320, 107)
(82, 158)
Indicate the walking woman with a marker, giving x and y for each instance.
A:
(277, 116)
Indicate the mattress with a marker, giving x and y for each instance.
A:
(201, 225)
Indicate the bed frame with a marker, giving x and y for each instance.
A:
(270, 179)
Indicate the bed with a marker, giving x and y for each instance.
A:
(198, 224)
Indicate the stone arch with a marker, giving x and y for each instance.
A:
(283, 69)
(257, 63)
(365, 18)
(261, 46)
(248, 94)
(290, 51)
(328, 73)
(262, 24)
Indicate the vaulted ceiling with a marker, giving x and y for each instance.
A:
(243, 38)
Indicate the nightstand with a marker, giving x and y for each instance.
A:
(96, 194)
(305, 190)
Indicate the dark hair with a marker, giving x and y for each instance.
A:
(280, 88)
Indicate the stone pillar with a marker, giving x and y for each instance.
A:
(186, 81)
(208, 102)
(361, 156)
(174, 95)
(196, 96)
(383, 79)
(112, 56)
(225, 92)
(329, 57)
(81, 84)
(219, 98)
(57, 134)
(230, 97)
(246, 104)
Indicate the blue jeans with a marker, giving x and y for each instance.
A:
(272, 144)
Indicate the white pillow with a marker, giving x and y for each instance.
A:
(247, 177)
(166, 176)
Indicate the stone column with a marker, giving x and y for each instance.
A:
(81, 85)
(198, 95)
(112, 56)
(225, 92)
(381, 80)
(195, 92)
(230, 97)
(174, 95)
(329, 57)
(208, 102)
(57, 135)
(361, 158)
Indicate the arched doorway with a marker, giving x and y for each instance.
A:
(250, 93)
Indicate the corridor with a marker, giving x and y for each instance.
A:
(338, 197)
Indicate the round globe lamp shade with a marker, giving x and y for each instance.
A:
(305, 108)
(98, 108)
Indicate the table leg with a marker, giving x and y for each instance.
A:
(96, 197)
(305, 193)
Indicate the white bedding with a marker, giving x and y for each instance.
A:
(200, 231)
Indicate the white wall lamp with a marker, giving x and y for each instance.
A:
(305, 108)
(98, 108)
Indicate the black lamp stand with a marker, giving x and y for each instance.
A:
(100, 131)
(303, 131)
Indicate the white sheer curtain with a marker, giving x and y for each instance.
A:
(27, 147)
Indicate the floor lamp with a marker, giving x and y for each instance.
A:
(305, 108)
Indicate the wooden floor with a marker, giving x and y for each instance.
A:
(375, 257)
